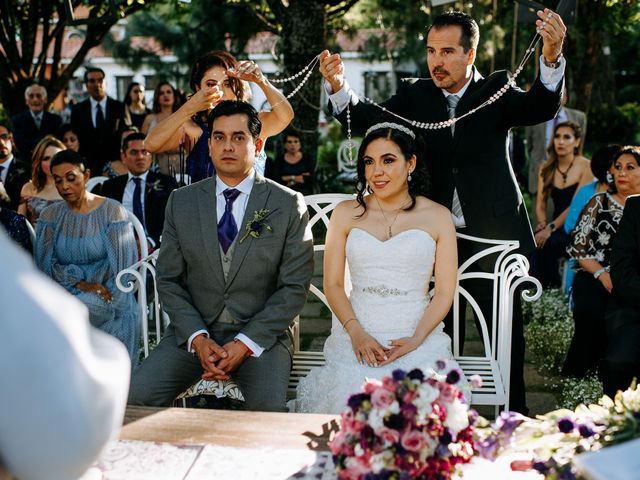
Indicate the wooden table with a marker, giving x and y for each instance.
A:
(230, 428)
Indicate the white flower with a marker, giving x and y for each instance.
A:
(394, 408)
(457, 417)
(376, 419)
(426, 395)
(631, 399)
(358, 450)
(381, 460)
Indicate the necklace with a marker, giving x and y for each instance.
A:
(564, 174)
(389, 225)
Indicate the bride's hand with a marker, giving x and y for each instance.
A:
(366, 348)
(400, 347)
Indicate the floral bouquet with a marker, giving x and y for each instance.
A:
(556, 438)
(404, 427)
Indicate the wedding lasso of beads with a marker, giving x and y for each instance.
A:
(511, 83)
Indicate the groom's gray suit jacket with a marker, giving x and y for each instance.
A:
(267, 281)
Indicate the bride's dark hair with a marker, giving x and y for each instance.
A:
(419, 184)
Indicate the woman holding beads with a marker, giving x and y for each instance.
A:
(215, 76)
(393, 238)
(561, 176)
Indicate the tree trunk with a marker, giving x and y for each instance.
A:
(303, 37)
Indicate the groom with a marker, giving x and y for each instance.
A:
(233, 272)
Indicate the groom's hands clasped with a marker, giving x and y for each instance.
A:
(210, 355)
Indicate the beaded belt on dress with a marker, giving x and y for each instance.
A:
(383, 291)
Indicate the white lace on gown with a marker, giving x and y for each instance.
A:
(389, 296)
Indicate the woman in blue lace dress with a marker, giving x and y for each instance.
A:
(216, 76)
(82, 243)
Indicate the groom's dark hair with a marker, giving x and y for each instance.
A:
(470, 32)
(237, 107)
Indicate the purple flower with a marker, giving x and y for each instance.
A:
(453, 376)
(395, 421)
(585, 431)
(356, 400)
(256, 227)
(446, 438)
(489, 447)
(409, 410)
(416, 374)
(566, 425)
(508, 421)
(442, 451)
(441, 364)
(398, 375)
(541, 467)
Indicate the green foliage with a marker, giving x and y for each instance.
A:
(549, 330)
(614, 124)
(571, 392)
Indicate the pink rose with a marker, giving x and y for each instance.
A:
(371, 386)
(409, 397)
(413, 441)
(388, 435)
(382, 398)
(388, 383)
(448, 393)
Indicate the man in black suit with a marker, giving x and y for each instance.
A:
(30, 126)
(13, 173)
(468, 163)
(622, 359)
(142, 192)
(97, 121)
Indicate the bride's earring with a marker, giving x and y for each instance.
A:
(409, 178)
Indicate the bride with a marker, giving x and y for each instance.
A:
(393, 239)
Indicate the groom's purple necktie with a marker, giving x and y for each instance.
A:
(227, 228)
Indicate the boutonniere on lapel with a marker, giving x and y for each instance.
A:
(257, 224)
(155, 186)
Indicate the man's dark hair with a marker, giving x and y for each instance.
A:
(237, 107)
(91, 70)
(470, 31)
(130, 138)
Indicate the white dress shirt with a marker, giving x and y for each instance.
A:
(127, 196)
(6, 164)
(94, 108)
(238, 210)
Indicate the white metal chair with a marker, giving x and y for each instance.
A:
(347, 163)
(94, 181)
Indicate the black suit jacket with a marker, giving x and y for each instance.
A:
(625, 255)
(156, 193)
(98, 146)
(26, 135)
(475, 160)
(17, 176)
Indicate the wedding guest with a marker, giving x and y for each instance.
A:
(15, 226)
(600, 165)
(293, 168)
(67, 135)
(622, 358)
(13, 172)
(165, 102)
(217, 76)
(560, 177)
(591, 246)
(141, 191)
(98, 121)
(82, 243)
(40, 191)
(135, 111)
(117, 167)
(30, 126)
(541, 135)
(64, 383)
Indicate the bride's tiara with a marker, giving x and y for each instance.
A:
(395, 126)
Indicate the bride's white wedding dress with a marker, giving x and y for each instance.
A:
(390, 283)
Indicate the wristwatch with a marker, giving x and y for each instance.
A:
(552, 226)
(549, 64)
(597, 273)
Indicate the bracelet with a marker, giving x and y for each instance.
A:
(597, 273)
(344, 325)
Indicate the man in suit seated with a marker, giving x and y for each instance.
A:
(233, 272)
(13, 173)
(30, 126)
(97, 121)
(142, 192)
(622, 359)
